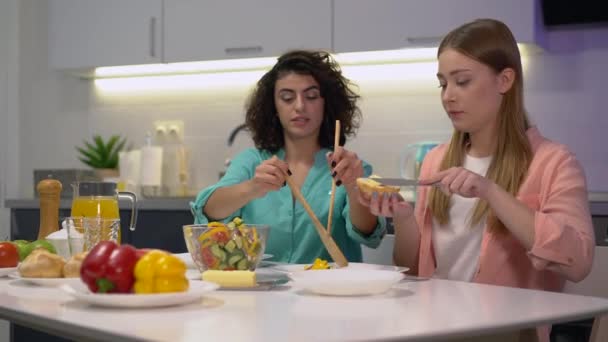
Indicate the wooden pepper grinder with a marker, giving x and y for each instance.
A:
(49, 191)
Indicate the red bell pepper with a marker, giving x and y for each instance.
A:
(108, 268)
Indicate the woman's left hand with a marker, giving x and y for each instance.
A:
(460, 181)
(345, 167)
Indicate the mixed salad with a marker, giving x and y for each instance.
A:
(232, 246)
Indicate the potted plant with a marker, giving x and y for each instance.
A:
(102, 155)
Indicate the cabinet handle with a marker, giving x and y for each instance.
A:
(423, 41)
(243, 50)
(153, 37)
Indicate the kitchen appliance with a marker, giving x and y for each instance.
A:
(412, 158)
(100, 200)
(65, 176)
(410, 163)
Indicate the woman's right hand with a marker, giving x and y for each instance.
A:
(269, 176)
(387, 205)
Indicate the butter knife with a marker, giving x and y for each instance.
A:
(400, 182)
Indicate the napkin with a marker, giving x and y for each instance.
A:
(59, 240)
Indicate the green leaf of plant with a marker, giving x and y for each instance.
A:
(118, 148)
(92, 150)
(90, 155)
(100, 154)
(111, 143)
(101, 147)
(112, 163)
(89, 163)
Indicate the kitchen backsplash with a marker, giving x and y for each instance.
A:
(395, 113)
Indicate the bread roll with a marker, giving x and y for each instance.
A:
(369, 185)
(71, 269)
(42, 264)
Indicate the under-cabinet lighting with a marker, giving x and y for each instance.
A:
(186, 67)
(381, 66)
(386, 74)
(168, 83)
(265, 63)
(244, 64)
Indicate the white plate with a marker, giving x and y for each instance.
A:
(292, 268)
(7, 270)
(194, 293)
(346, 282)
(190, 263)
(45, 281)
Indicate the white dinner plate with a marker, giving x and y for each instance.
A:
(128, 300)
(50, 282)
(7, 270)
(346, 282)
(292, 268)
(190, 263)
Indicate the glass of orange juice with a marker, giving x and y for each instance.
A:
(96, 207)
(100, 200)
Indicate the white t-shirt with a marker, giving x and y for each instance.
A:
(457, 244)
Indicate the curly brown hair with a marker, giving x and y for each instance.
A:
(340, 101)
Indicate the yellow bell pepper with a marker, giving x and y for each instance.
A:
(160, 272)
(214, 229)
(318, 264)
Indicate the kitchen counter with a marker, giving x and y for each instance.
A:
(598, 203)
(181, 203)
(413, 310)
(159, 221)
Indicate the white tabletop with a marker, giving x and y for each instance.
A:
(420, 310)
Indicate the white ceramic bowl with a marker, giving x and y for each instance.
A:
(342, 282)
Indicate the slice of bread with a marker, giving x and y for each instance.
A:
(369, 185)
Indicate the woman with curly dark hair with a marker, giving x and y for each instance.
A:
(291, 115)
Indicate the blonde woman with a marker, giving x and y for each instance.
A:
(509, 206)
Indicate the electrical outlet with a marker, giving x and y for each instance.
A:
(169, 129)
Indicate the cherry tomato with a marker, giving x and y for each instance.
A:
(221, 237)
(9, 256)
(208, 258)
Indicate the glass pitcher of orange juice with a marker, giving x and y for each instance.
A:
(100, 199)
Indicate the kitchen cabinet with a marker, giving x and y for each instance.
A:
(363, 25)
(211, 30)
(85, 34)
(90, 33)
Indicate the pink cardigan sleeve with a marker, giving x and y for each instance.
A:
(564, 238)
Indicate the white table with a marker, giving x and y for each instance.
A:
(422, 310)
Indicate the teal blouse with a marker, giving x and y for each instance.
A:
(292, 237)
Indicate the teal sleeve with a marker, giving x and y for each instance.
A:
(241, 168)
(372, 240)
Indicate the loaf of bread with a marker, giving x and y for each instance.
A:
(369, 185)
(42, 264)
(71, 269)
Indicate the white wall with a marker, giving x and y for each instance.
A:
(9, 107)
(9, 148)
(565, 92)
(54, 107)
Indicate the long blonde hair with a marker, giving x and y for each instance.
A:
(490, 42)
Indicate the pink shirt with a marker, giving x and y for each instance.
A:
(555, 187)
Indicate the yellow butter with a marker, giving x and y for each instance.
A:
(230, 278)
